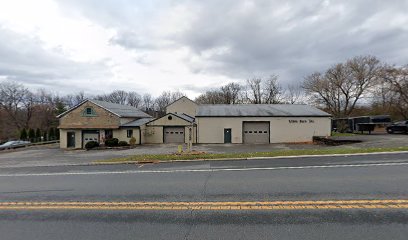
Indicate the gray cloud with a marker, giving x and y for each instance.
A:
(234, 38)
(24, 59)
(133, 40)
(240, 38)
(308, 36)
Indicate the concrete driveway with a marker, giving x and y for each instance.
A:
(52, 155)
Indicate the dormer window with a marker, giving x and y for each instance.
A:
(89, 112)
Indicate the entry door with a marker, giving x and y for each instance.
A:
(71, 139)
(227, 135)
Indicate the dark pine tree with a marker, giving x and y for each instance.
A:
(23, 134)
(31, 134)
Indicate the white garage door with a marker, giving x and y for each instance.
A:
(174, 135)
(256, 132)
(87, 137)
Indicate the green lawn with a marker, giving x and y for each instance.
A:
(339, 134)
(277, 153)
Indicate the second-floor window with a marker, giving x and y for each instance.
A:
(89, 111)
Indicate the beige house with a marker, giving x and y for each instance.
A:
(185, 121)
(183, 105)
(93, 120)
(177, 126)
(171, 128)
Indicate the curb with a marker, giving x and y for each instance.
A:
(248, 158)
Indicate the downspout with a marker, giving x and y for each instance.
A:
(140, 136)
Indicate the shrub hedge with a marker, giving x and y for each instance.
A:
(91, 144)
(123, 143)
(112, 142)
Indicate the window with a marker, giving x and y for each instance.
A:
(108, 134)
(129, 133)
(89, 112)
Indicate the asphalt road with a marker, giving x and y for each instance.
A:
(370, 177)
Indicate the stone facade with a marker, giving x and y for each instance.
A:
(102, 119)
(90, 119)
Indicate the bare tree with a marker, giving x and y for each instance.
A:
(134, 99)
(165, 99)
(230, 93)
(162, 101)
(211, 97)
(397, 78)
(293, 94)
(148, 101)
(71, 100)
(29, 105)
(118, 96)
(12, 99)
(176, 95)
(272, 92)
(341, 87)
(264, 90)
(254, 87)
(79, 97)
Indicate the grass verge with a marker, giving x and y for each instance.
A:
(339, 134)
(277, 153)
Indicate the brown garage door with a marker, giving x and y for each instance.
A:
(174, 135)
(256, 132)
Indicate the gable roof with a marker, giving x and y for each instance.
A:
(259, 110)
(137, 123)
(184, 117)
(183, 97)
(117, 109)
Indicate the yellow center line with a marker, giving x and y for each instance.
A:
(243, 205)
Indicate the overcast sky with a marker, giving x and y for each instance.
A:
(189, 45)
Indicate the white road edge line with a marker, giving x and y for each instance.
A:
(200, 170)
(328, 155)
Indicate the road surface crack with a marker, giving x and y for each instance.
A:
(204, 192)
(191, 224)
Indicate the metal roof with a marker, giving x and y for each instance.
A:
(185, 117)
(259, 110)
(121, 110)
(117, 109)
(137, 123)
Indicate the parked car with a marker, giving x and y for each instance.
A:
(401, 126)
(14, 144)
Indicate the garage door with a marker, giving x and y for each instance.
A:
(174, 135)
(256, 132)
(87, 137)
